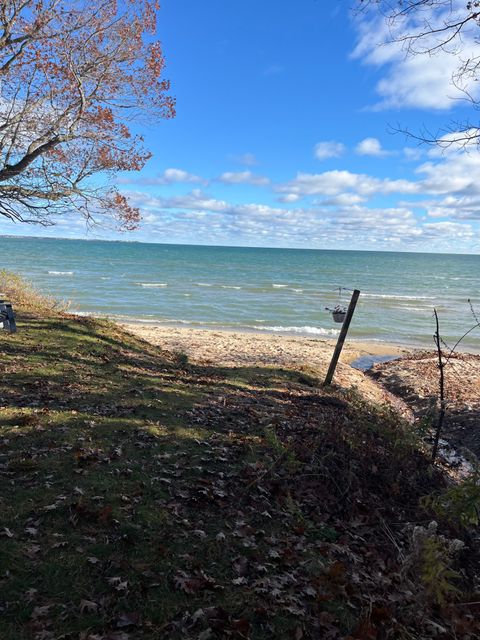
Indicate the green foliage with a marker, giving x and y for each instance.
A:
(460, 504)
(436, 570)
(274, 442)
(281, 450)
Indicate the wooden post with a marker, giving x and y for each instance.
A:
(341, 338)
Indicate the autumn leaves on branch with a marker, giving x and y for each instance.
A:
(74, 75)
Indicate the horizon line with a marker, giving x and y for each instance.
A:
(227, 246)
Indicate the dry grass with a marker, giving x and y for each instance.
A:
(23, 295)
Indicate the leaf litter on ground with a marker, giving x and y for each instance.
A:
(143, 498)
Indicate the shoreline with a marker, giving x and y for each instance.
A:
(408, 381)
(250, 347)
(309, 357)
(366, 345)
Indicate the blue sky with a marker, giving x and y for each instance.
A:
(284, 136)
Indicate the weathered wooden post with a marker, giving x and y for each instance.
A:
(341, 338)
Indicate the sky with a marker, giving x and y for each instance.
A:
(288, 134)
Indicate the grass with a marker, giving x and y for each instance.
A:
(15, 288)
(142, 496)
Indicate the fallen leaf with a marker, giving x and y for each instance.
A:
(31, 531)
(40, 612)
(127, 620)
(87, 606)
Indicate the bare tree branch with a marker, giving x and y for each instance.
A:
(73, 75)
(426, 27)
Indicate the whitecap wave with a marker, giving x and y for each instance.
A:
(279, 286)
(407, 307)
(203, 284)
(229, 286)
(152, 285)
(61, 273)
(387, 296)
(317, 331)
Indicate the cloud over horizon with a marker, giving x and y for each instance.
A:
(341, 207)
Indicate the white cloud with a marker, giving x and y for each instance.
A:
(370, 147)
(450, 229)
(243, 177)
(333, 183)
(456, 142)
(413, 78)
(342, 200)
(248, 159)
(328, 149)
(342, 207)
(412, 153)
(178, 175)
(169, 176)
(452, 207)
(289, 197)
(452, 173)
(349, 224)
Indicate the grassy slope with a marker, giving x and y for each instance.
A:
(144, 497)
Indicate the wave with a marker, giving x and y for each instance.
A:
(152, 284)
(407, 307)
(279, 286)
(317, 331)
(229, 286)
(393, 297)
(296, 290)
(61, 273)
(203, 284)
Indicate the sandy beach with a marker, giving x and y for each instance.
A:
(410, 384)
(237, 349)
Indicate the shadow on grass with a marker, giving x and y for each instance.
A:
(145, 486)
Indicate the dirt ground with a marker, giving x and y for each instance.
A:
(409, 383)
(415, 379)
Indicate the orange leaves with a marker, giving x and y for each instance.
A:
(129, 216)
(77, 74)
(154, 60)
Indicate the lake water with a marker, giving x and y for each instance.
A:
(271, 290)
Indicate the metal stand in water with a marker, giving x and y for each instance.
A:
(341, 337)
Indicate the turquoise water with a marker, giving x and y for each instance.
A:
(281, 290)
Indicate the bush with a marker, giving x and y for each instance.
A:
(460, 504)
(24, 295)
